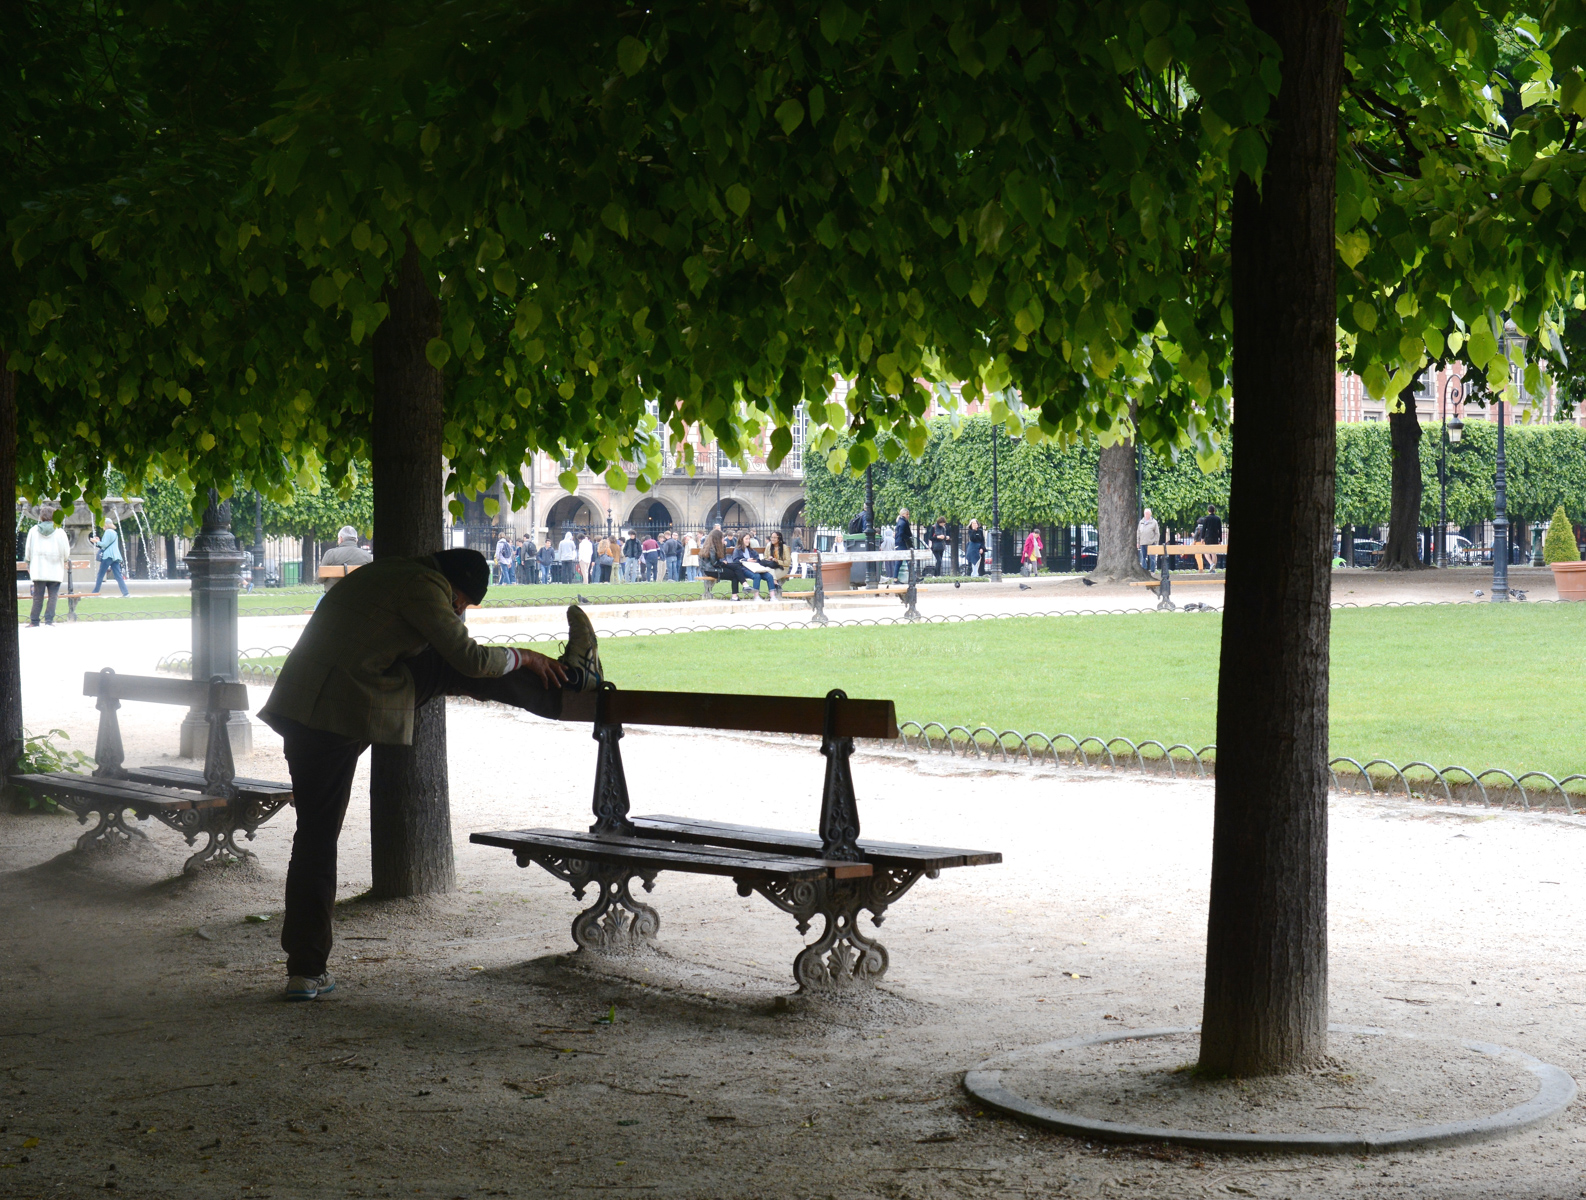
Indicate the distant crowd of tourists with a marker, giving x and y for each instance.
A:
(629, 556)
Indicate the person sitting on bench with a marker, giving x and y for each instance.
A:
(385, 640)
(755, 572)
(718, 561)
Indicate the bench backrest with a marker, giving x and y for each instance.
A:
(762, 714)
(193, 693)
(338, 572)
(216, 697)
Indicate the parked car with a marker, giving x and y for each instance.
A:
(1368, 552)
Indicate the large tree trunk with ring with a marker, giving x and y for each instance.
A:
(1265, 1006)
(409, 806)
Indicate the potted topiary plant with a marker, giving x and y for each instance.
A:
(1561, 553)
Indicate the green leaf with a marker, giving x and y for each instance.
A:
(569, 481)
(505, 280)
(1159, 54)
(631, 53)
(737, 197)
(817, 99)
(430, 139)
(835, 19)
(790, 115)
(438, 352)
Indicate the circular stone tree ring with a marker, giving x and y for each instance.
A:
(1555, 1090)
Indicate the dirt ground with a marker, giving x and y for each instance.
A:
(145, 1051)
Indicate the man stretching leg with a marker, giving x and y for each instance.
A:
(383, 641)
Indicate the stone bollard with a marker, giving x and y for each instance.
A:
(214, 567)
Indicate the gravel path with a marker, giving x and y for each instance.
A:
(465, 1053)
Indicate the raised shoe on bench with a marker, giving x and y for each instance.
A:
(582, 655)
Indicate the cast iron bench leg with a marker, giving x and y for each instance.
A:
(615, 923)
(112, 828)
(842, 957)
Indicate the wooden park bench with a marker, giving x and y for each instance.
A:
(192, 802)
(1163, 586)
(833, 875)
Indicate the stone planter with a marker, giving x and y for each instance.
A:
(1570, 579)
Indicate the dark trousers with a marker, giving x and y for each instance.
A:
(40, 587)
(322, 766)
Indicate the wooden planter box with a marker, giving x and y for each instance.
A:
(1570, 579)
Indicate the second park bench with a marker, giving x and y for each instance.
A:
(833, 875)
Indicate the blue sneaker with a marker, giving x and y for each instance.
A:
(309, 987)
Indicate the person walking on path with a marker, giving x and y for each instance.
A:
(1030, 556)
(902, 539)
(939, 540)
(109, 545)
(1147, 534)
(384, 642)
(975, 546)
(528, 569)
(691, 557)
(566, 558)
(631, 554)
(652, 555)
(547, 560)
(586, 555)
(672, 556)
(504, 558)
(47, 550)
(1208, 531)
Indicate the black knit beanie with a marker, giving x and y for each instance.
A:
(466, 570)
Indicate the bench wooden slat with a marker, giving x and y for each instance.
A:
(1177, 582)
(192, 692)
(698, 860)
(763, 714)
(752, 837)
(190, 779)
(86, 787)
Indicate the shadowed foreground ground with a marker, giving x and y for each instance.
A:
(143, 1045)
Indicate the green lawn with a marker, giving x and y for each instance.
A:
(1477, 685)
(276, 601)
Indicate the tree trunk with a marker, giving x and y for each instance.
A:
(1266, 946)
(410, 820)
(307, 573)
(1402, 553)
(1117, 514)
(10, 648)
(1346, 544)
(170, 556)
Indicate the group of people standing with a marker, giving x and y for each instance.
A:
(657, 556)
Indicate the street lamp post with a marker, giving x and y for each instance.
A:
(872, 572)
(1450, 437)
(1512, 340)
(258, 540)
(996, 510)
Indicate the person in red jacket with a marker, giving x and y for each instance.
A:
(1030, 558)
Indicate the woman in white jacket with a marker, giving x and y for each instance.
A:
(46, 553)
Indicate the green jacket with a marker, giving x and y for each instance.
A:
(347, 673)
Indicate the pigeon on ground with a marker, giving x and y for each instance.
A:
(958, 583)
(585, 600)
(1024, 587)
(1087, 581)
(1479, 593)
(1517, 595)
